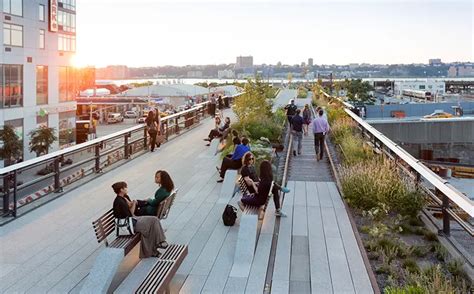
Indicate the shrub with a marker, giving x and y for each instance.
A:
(440, 252)
(410, 289)
(335, 113)
(369, 184)
(455, 268)
(409, 203)
(420, 251)
(355, 151)
(410, 265)
(415, 221)
(342, 128)
(260, 127)
(430, 236)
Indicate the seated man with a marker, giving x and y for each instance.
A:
(235, 162)
(219, 130)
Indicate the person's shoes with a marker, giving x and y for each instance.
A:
(208, 144)
(294, 153)
(299, 153)
(220, 180)
(206, 139)
(280, 213)
(163, 245)
(285, 190)
(241, 205)
(317, 158)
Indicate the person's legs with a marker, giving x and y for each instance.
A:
(300, 140)
(321, 146)
(224, 166)
(316, 144)
(152, 140)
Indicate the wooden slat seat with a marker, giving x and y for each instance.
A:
(158, 278)
(165, 205)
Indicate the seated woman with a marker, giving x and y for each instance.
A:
(235, 162)
(260, 187)
(149, 227)
(150, 206)
(219, 130)
(235, 141)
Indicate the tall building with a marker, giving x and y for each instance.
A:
(310, 61)
(461, 71)
(244, 62)
(37, 80)
(435, 61)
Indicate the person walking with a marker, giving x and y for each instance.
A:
(306, 119)
(220, 103)
(152, 129)
(297, 130)
(158, 126)
(290, 110)
(320, 129)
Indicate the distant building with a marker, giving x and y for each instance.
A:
(226, 74)
(244, 62)
(428, 85)
(461, 71)
(310, 61)
(113, 72)
(194, 74)
(37, 79)
(435, 61)
(303, 64)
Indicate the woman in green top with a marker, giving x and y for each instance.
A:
(149, 206)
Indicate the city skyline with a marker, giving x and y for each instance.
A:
(157, 33)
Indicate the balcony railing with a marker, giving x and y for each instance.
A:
(44, 177)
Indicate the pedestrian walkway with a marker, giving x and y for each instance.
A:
(316, 251)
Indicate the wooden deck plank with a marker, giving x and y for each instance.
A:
(193, 284)
(235, 285)
(312, 196)
(340, 275)
(323, 193)
(258, 272)
(335, 196)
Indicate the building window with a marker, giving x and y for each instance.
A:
(11, 85)
(67, 129)
(42, 121)
(68, 4)
(66, 21)
(66, 42)
(12, 35)
(17, 125)
(41, 85)
(41, 12)
(66, 84)
(14, 7)
(41, 39)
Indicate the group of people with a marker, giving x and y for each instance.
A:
(299, 126)
(153, 123)
(214, 103)
(141, 215)
(219, 131)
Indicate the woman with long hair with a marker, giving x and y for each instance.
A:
(151, 233)
(306, 119)
(165, 187)
(259, 197)
(152, 129)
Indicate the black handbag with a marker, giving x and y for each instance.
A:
(125, 223)
(229, 215)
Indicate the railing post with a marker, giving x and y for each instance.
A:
(165, 129)
(97, 158)
(6, 193)
(14, 192)
(57, 183)
(446, 231)
(176, 125)
(126, 146)
(145, 138)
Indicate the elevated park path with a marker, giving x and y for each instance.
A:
(313, 250)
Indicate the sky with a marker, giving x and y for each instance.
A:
(185, 32)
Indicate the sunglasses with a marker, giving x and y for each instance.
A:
(251, 158)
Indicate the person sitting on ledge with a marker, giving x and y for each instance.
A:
(151, 233)
(219, 130)
(261, 189)
(150, 206)
(235, 162)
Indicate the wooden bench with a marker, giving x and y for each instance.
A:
(165, 205)
(153, 275)
(257, 210)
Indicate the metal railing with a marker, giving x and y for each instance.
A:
(445, 195)
(41, 177)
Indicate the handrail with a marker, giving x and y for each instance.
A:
(439, 183)
(93, 142)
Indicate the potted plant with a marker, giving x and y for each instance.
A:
(41, 140)
(11, 147)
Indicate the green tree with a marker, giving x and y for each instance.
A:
(358, 91)
(253, 102)
(41, 140)
(11, 145)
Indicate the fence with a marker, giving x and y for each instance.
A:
(26, 182)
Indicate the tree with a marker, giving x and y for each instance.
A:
(358, 91)
(11, 145)
(253, 102)
(41, 140)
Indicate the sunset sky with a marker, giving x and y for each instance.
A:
(176, 32)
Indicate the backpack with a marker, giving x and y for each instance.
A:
(229, 215)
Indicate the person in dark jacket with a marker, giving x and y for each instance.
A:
(290, 110)
(306, 119)
(297, 131)
(151, 233)
(152, 129)
(219, 130)
(166, 186)
(262, 189)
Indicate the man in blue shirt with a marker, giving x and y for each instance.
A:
(235, 162)
(320, 129)
(297, 130)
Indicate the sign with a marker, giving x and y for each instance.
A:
(53, 15)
